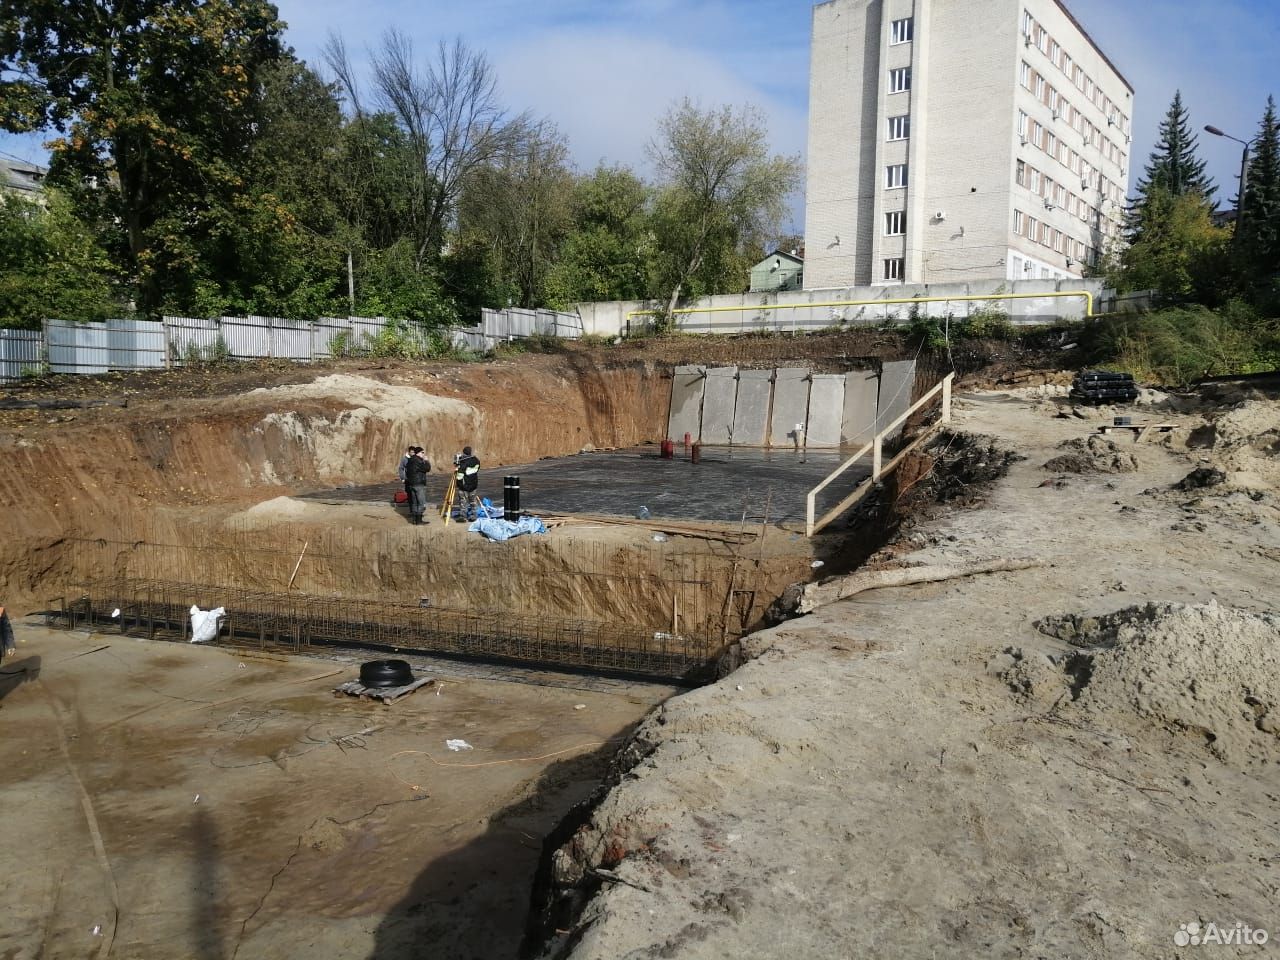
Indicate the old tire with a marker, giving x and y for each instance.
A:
(385, 673)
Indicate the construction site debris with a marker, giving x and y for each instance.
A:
(1092, 454)
(204, 623)
(501, 531)
(1202, 477)
(456, 745)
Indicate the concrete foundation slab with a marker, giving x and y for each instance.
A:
(861, 393)
(790, 404)
(826, 410)
(620, 482)
(897, 380)
(751, 415)
(719, 400)
(686, 402)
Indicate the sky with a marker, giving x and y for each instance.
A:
(604, 70)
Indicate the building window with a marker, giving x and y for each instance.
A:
(1034, 182)
(1039, 88)
(1051, 144)
(1021, 175)
(902, 31)
(1055, 52)
(900, 80)
(893, 268)
(1019, 222)
(895, 175)
(1022, 125)
(895, 223)
(1025, 75)
(899, 127)
(1046, 234)
(1033, 225)
(1027, 23)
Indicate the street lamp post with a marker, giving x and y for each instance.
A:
(1244, 169)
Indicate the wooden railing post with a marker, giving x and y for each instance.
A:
(946, 397)
(877, 456)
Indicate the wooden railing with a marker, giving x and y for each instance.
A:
(878, 467)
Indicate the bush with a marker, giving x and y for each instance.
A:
(1181, 344)
(988, 323)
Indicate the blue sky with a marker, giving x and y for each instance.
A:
(604, 70)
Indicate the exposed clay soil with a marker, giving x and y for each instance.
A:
(923, 772)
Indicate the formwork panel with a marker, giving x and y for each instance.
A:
(719, 401)
(686, 402)
(790, 403)
(751, 413)
(897, 379)
(861, 393)
(826, 410)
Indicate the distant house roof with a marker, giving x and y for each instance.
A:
(22, 176)
(796, 257)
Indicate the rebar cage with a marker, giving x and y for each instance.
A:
(158, 608)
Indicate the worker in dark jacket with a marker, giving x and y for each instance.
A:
(415, 478)
(7, 647)
(466, 478)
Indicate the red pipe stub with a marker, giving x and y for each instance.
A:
(668, 449)
(695, 453)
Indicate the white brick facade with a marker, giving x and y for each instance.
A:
(983, 76)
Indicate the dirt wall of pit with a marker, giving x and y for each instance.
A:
(63, 482)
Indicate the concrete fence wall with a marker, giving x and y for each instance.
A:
(1026, 301)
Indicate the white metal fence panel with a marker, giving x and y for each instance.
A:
(192, 339)
(77, 347)
(20, 351)
(135, 344)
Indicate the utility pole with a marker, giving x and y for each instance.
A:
(351, 287)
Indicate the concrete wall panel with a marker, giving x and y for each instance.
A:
(897, 379)
(719, 400)
(751, 415)
(686, 402)
(790, 403)
(826, 410)
(861, 399)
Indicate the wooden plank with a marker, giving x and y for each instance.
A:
(355, 688)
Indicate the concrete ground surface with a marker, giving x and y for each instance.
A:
(162, 800)
(619, 482)
(872, 785)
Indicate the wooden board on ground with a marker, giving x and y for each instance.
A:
(1140, 430)
(354, 688)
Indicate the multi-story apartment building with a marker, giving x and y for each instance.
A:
(959, 140)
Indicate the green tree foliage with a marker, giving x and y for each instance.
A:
(153, 102)
(50, 265)
(1177, 253)
(1175, 166)
(1181, 344)
(517, 212)
(609, 246)
(721, 195)
(1259, 227)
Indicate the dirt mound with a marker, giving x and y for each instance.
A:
(1244, 442)
(1209, 671)
(1093, 454)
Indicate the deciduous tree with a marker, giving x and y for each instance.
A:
(721, 194)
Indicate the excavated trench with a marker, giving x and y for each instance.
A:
(277, 499)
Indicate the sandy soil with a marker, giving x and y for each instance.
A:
(906, 773)
(162, 800)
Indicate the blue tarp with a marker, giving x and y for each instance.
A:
(504, 529)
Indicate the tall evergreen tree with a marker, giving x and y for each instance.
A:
(1174, 165)
(1259, 227)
